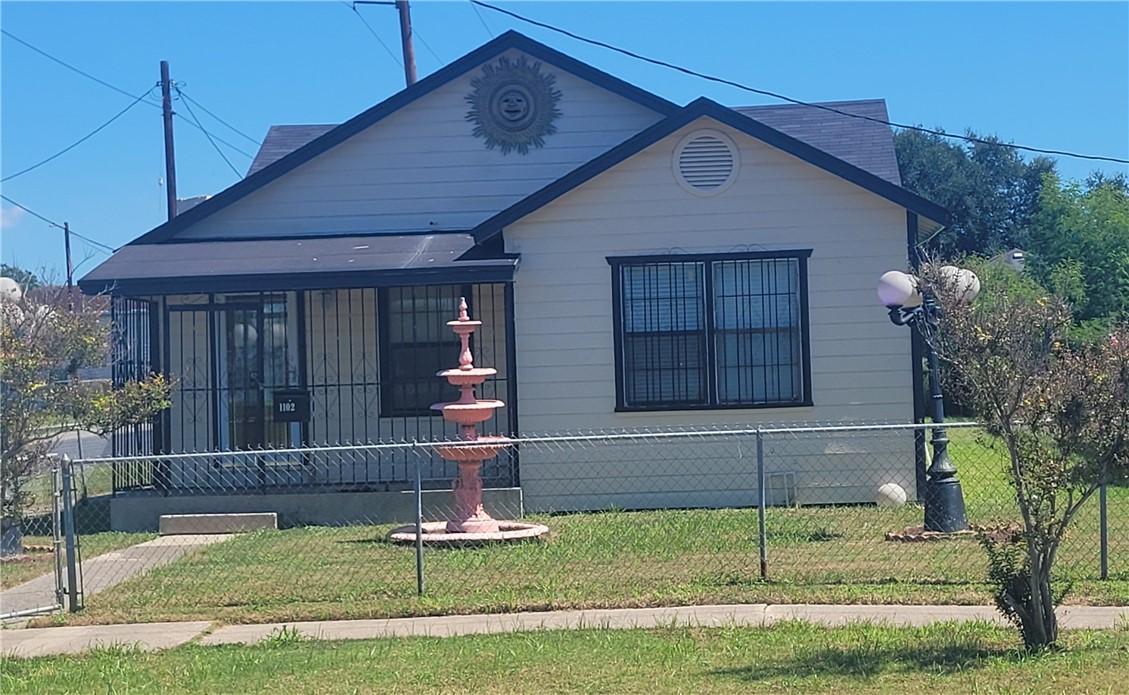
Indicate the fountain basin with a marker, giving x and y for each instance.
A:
(476, 451)
(468, 413)
(435, 533)
(468, 377)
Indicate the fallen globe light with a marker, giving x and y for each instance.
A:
(890, 495)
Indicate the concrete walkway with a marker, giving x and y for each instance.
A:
(73, 640)
(104, 571)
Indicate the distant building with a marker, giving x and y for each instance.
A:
(183, 205)
(1012, 259)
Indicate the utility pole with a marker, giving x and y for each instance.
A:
(70, 268)
(406, 41)
(170, 157)
(405, 34)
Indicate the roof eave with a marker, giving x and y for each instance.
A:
(498, 271)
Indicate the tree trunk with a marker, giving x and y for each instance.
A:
(1039, 623)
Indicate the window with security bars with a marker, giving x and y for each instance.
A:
(719, 331)
(418, 344)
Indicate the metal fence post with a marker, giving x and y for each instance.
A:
(1103, 525)
(57, 529)
(762, 540)
(69, 532)
(419, 525)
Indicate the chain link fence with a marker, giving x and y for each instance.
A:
(642, 518)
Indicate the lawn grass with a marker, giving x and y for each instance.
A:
(616, 559)
(787, 657)
(613, 559)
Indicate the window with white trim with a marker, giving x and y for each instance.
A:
(716, 331)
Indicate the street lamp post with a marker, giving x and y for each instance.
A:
(944, 500)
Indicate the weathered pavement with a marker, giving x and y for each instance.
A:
(107, 570)
(73, 640)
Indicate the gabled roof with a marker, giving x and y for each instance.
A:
(707, 108)
(335, 136)
(866, 143)
(281, 140)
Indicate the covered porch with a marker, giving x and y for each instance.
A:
(282, 344)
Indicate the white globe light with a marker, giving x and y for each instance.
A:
(963, 282)
(10, 290)
(890, 495)
(896, 288)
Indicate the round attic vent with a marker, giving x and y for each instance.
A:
(705, 162)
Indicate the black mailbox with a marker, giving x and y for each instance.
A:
(291, 405)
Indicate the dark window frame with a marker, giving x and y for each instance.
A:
(389, 405)
(712, 400)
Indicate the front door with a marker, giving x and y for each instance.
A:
(254, 349)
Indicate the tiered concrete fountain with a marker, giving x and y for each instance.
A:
(469, 522)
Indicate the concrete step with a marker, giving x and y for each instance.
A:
(186, 524)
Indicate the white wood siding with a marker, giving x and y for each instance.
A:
(422, 169)
(860, 362)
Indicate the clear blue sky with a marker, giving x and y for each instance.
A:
(1047, 75)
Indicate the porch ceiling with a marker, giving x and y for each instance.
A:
(288, 264)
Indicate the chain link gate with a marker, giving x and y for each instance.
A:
(42, 573)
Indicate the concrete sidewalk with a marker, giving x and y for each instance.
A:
(74, 640)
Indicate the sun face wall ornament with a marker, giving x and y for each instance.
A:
(513, 105)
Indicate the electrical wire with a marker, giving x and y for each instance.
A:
(430, 50)
(67, 65)
(205, 110)
(207, 134)
(80, 141)
(483, 20)
(763, 92)
(31, 212)
(373, 32)
(217, 138)
(75, 234)
(118, 89)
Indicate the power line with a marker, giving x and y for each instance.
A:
(67, 65)
(33, 213)
(373, 32)
(205, 110)
(763, 92)
(122, 91)
(415, 33)
(79, 142)
(483, 20)
(217, 138)
(208, 135)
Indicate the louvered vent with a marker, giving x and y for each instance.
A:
(706, 162)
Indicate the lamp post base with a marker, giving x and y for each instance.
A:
(944, 506)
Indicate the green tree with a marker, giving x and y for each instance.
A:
(44, 342)
(1079, 247)
(1060, 406)
(987, 187)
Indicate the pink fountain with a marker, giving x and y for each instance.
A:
(469, 523)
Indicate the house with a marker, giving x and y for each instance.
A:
(636, 264)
